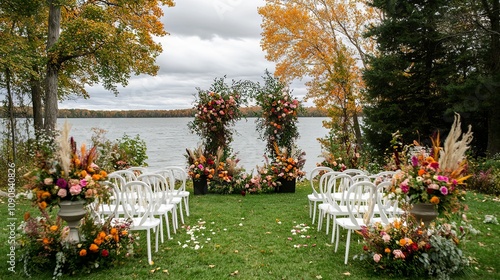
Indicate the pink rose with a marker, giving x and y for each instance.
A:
(89, 193)
(62, 193)
(434, 186)
(377, 257)
(398, 254)
(386, 238)
(48, 181)
(75, 189)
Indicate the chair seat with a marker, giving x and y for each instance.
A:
(147, 224)
(313, 197)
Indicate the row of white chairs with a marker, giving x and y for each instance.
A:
(351, 199)
(147, 198)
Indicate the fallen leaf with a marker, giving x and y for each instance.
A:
(165, 271)
(236, 251)
(347, 273)
(236, 272)
(319, 277)
(211, 265)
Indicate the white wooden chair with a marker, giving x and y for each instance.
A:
(315, 196)
(139, 203)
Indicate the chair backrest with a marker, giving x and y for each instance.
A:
(115, 198)
(361, 202)
(382, 176)
(388, 207)
(138, 170)
(138, 200)
(332, 183)
(158, 185)
(320, 170)
(354, 172)
(127, 175)
(176, 177)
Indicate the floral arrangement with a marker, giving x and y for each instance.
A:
(66, 174)
(44, 243)
(216, 111)
(199, 166)
(405, 248)
(287, 165)
(278, 123)
(435, 176)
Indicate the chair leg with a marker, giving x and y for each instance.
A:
(327, 223)
(168, 226)
(186, 205)
(161, 229)
(314, 212)
(156, 239)
(337, 241)
(320, 219)
(334, 224)
(348, 243)
(148, 239)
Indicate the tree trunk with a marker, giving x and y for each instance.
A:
(36, 99)
(53, 65)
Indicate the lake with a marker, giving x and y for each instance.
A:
(167, 138)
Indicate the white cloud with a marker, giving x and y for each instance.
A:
(208, 39)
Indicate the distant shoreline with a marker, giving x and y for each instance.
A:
(179, 113)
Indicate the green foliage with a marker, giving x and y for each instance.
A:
(119, 154)
(405, 83)
(485, 175)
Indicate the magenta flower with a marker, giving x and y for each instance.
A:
(444, 190)
(414, 161)
(61, 183)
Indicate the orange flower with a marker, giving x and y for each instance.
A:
(83, 174)
(83, 253)
(402, 242)
(42, 205)
(430, 159)
(113, 231)
(97, 241)
(54, 228)
(45, 195)
(46, 241)
(124, 232)
(26, 216)
(434, 200)
(102, 234)
(103, 174)
(421, 172)
(387, 250)
(96, 177)
(93, 248)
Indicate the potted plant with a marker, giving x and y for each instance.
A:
(69, 179)
(200, 169)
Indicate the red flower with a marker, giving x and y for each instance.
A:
(104, 253)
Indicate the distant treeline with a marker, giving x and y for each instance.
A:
(180, 113)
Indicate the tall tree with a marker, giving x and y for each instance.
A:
(405, 82)
(99, 41)
(322, 39)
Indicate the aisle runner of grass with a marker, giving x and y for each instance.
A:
(261, 237)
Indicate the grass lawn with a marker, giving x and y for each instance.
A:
(251, 238)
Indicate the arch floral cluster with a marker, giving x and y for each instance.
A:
(218, 109)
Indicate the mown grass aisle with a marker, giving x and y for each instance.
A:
(252, 237)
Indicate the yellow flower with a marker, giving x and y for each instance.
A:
(54, 228)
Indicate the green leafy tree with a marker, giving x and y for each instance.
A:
(405, 82)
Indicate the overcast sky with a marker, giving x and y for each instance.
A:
(208, 39)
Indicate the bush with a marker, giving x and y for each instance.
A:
(485, 175)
